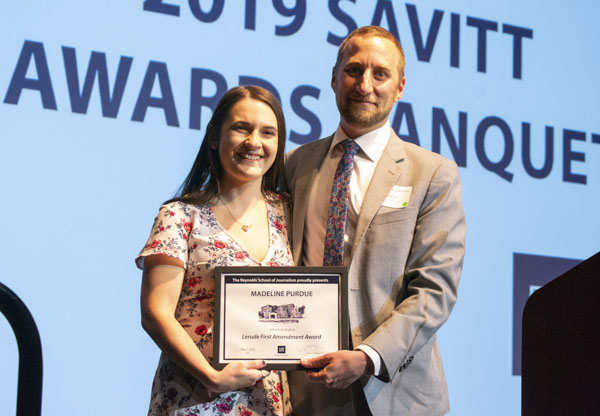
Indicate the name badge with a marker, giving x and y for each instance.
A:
(398, 197)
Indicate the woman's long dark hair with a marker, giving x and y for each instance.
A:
(202, 183)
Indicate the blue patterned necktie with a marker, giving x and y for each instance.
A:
(333, 253)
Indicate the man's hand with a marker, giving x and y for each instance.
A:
(337, 369)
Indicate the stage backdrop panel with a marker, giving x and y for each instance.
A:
(104, 104)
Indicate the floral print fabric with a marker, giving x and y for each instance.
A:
(192, 234)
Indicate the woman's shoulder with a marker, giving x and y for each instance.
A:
(194, 200)
(182, 208)
(280, 207)
(276, 198)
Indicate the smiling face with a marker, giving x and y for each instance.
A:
(248, 142)
(367, 83)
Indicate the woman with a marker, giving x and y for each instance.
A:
(228, 214)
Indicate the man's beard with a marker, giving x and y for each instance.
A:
(362, 118)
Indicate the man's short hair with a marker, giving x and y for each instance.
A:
(371, 32)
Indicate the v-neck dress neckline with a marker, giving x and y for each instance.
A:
(240, 245)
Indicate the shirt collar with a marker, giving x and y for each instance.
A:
(372, 143)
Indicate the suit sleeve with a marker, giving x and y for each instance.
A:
(428, 289)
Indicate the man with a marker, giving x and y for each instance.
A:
(402, 236)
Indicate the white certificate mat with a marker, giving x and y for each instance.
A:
(279, 314)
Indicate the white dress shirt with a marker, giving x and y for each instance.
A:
(371, 146)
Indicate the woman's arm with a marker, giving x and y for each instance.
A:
(161, 286)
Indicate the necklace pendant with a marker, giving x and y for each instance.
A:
(245, 228)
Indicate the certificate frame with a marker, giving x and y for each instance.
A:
(283, 313)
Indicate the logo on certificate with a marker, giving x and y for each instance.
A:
(281, 349)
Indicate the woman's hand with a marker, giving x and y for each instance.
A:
(238, 375)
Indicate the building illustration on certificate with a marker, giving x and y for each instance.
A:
(281, 313)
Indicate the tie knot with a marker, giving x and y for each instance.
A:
(350, 147)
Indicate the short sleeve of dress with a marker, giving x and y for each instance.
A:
(169, 235)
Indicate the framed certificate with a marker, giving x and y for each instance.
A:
(279, 314)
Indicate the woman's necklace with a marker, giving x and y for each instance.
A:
(245, 227)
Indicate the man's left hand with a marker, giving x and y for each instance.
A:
(337, 369)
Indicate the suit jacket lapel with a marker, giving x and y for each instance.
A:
(305, 174)
(386, 174)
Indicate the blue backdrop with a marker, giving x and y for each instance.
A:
(104, 106)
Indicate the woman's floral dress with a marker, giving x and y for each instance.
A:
(192, 234)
